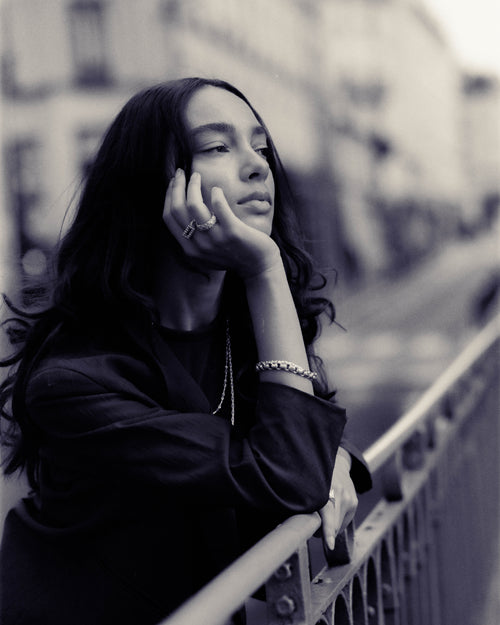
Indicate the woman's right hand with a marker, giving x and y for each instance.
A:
(230, 244)
(340, 509)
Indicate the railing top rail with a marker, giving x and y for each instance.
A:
(246, 574)
(392, 440)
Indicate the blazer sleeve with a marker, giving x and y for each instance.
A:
(99, 429)
(360, 473)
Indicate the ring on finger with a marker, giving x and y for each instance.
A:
(192, 226)
(190, 229)
(206, 225)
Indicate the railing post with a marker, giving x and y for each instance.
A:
(391, 477)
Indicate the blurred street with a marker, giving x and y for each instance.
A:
(402, 334)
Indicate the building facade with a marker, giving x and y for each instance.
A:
(362, 97)
(481, 110)
(394, 88)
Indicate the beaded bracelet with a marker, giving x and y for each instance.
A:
(284, 365)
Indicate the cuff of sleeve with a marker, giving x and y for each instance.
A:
(300, 435)
(360, 474)
(282, 398)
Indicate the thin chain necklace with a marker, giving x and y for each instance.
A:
(228, 375)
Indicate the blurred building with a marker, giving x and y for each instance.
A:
(61, 86)
(394, 88)
(69, 65)
(481, 126)
(362, 97)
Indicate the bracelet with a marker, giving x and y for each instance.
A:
(284, 365)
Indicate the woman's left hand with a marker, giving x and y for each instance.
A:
(231, 244)
(340, 509)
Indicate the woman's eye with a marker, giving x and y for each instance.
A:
(264, 151)
(215, 149)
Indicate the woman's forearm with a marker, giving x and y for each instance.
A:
(276, 325)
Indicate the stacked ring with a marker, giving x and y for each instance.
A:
(192, 226)
(207, 224)
(189, 230)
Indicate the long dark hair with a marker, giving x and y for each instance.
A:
(103, 264)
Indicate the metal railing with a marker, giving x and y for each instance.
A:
(425, 552)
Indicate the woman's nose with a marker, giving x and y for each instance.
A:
(254, 165)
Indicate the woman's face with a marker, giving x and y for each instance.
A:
(230, 151)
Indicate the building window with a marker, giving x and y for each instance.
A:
(25, 187)
(171, 10)
(88, 42)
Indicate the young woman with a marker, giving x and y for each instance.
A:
(159, 436)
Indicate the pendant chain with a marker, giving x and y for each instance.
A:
(228, 374)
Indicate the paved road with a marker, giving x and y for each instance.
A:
(402, 334)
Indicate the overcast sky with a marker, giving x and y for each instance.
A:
(473, 29)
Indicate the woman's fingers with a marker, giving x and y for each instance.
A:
(196, 207)
(341, 508)
(330, 523)
(167, 205)
(172, 198)
(178, 202)
(184, 203)
(221, 208)
(344, 489)
(350, 506)
(336, 515)
(227, 244)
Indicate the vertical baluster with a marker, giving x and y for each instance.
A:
(340, 613)
(411, 576)
(359, 605)
(432, 566)
(374, 590)
(422, 540)
(390, 594)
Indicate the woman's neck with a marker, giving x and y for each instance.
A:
(187, 298)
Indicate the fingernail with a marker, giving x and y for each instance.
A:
(330, 541)
(179, 172)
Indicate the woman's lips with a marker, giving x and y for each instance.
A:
(259, 201)
(257, 206)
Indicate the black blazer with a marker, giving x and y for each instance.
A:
(144, 494)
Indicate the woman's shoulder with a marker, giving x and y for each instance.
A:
(81, 357)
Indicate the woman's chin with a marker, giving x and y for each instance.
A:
(259, 222)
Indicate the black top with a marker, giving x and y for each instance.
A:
(203, 354)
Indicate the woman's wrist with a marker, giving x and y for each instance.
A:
(270, 267)
(345, 456)
(276, 325)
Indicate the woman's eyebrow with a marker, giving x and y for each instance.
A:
(223, 127)
(214, 126)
